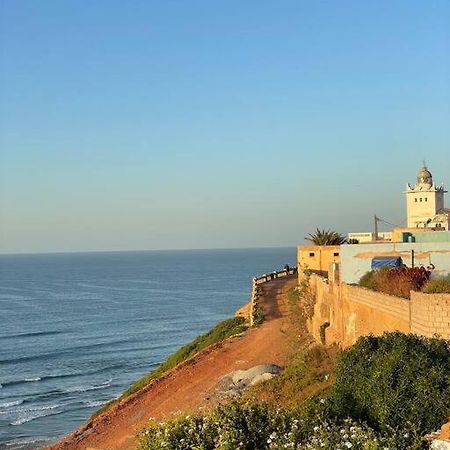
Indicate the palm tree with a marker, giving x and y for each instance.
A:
(326, 237)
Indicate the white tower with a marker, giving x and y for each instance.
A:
(425, 203)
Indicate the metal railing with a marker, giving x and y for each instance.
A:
(265, 278)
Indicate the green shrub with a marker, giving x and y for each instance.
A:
(258, 316)
(396, 380)
(367, 280)
(439, 285)
(259, 427)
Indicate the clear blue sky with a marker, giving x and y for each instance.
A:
(204, 124)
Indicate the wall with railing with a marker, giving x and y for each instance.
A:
(265, 278)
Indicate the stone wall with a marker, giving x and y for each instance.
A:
(342, 313)
(430, 314)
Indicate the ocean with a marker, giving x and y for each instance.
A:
(77, 329)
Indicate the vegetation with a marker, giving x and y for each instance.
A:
(258, 427)
(258, 316)
(394, 381)
(326, 237)
(438, 285)
(220, 332)
(398, 281)
(388, 392)
(309, 373)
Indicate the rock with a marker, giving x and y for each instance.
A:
(255, 371)
(263, 377)
(232, 385)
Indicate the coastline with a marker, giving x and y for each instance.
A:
(184, 388)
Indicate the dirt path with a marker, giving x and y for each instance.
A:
(184, 389)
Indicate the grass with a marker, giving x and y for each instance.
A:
(308, 373)
(310, 367)
(439, 285)
(221, 331)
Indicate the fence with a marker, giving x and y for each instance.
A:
(265, 278)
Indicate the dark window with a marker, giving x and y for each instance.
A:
(415, 200)
(426, 199)
(336, 254)
(421, 199)
(311, 254)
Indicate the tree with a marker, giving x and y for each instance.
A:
(326, 237)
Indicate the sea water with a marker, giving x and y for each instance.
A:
(77, 329)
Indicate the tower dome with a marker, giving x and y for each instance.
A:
(424, 176)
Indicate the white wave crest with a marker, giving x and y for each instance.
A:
(35, 413)
(32, 379)
(93, 387)
(9, 404)
(94, 404)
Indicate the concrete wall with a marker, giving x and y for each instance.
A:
(317, 258)
(352, 312)
(356, 258)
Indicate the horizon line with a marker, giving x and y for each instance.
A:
(25, 253)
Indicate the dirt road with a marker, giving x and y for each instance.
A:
(184, 389)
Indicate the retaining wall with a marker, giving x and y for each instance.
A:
(342, 313)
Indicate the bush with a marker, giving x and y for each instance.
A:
(258, 316)
(399, 281)
(367, 280)
(396, 380)
(439, 285)
(259, 427)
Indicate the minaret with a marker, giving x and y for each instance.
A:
(423, 201)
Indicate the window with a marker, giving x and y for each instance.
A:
(415, 200)
(336, 254)
(420, 198)
(426, 199)
(311, 254)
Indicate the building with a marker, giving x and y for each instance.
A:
(370, 236)
(425, 241)
(425, 211)
(424, 249)
(425, 203)
(318, 259)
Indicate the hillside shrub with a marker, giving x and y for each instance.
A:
(438, 285)
(394, 381)
(398, 281)
(259, 427)
(258, 316)
(221, 331)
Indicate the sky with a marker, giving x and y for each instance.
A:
(134, 125)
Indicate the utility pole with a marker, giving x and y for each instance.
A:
(376, 219)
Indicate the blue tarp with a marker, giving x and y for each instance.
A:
(386, 261)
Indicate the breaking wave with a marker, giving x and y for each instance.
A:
(27, 415)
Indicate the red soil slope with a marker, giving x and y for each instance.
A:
(184, 389)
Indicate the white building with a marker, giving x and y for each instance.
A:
(424, 209)
(425, 203)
